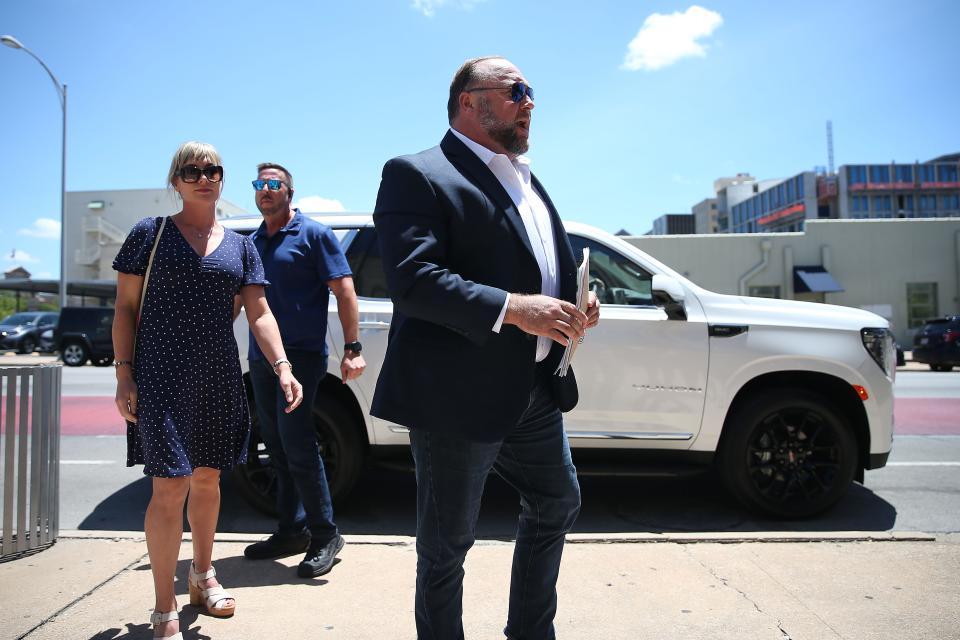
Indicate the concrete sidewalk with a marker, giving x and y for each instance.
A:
(97, 586)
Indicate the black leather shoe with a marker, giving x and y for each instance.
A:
(277, 546)
(319, 558)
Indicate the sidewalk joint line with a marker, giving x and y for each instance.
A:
(83, 596)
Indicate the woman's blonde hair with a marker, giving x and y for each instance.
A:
(192, 150)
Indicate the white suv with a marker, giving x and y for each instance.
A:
(790, 401)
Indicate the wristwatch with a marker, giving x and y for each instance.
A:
(355, 347)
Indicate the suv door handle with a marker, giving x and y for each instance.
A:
(374, 324)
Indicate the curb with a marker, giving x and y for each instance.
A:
(731, 537)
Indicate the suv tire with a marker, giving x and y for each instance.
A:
(74, 354)
(941, 367)
(28, 345)
(787, 453)
(341, 446)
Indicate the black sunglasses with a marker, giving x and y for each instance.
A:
(273, 184)
(192, 173)
(518, 90)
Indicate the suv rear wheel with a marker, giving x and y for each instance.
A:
(28, 345)
(74, 354)
(941, 367)
(341, 446)
(788, 453)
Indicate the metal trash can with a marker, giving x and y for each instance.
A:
(30, 460)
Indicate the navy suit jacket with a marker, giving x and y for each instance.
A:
(453, 245)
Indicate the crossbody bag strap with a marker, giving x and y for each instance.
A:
(146, 278)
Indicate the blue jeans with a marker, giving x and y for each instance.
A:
(303, 497)
(535, 459)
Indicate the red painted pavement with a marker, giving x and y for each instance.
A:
(97, 415)
(926, 416)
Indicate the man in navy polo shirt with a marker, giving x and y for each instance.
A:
(303, 263)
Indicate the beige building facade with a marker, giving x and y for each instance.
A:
(97, 223)
(906, 270)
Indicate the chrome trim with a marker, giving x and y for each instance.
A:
(628, 435)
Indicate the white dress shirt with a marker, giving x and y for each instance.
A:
(515, 178)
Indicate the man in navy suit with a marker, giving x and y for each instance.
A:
(483, 280)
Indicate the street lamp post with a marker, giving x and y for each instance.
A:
(13, 43)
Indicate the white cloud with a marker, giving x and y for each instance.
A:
(42, 228)
(665, 39)
(17, 256)
(429, 7)
(318, 204)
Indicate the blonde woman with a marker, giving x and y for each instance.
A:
(179, 383)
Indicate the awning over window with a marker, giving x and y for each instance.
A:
(814, 280)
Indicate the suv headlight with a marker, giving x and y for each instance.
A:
(879, 344)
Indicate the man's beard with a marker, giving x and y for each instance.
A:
(503, 132)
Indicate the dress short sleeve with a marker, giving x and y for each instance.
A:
(252, 266)
(134, 255)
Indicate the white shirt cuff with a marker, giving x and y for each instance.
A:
(503, 314)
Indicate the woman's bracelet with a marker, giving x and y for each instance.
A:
(119, 363)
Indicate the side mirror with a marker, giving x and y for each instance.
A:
(669, 294)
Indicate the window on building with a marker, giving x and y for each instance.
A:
(879, 173)
(764, 291)
(927, 173)
(859, 203)
(856, 174)
(921, 303)
(881, 203)
(790, 193)
(946, 173)
(799, 181)
(905, 203)
(928, 202)
(951, 202)
(904, 172)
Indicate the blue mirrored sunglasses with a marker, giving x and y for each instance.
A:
(273, 184)
(518, 90)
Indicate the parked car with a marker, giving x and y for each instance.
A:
(21, 331)
(790, 401)
(84, 333)
(937, 344)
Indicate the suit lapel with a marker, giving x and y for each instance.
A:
(473, 167)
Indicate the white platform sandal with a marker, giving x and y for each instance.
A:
(211, 597)
(159, 618)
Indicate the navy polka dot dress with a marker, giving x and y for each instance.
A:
(192, 408)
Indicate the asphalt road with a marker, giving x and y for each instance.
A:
(919, 490)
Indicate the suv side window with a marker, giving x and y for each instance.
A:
(614, 278)
(363, 256)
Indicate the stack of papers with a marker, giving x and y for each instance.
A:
(583, 298)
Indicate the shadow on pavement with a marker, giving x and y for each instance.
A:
(384, 503)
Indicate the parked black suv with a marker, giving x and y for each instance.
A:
(21, 331)
(84, 333)
(938, 344)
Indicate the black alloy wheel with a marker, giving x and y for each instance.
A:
(789, 454)
(341, 446)
(74, 354)
(28, 345)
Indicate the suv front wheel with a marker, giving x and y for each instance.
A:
(74, 354)
(788, 453)
(341, 447)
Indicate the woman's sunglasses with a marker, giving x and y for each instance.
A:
(192, 173)
(273, 184)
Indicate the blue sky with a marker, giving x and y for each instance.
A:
(640, 105)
